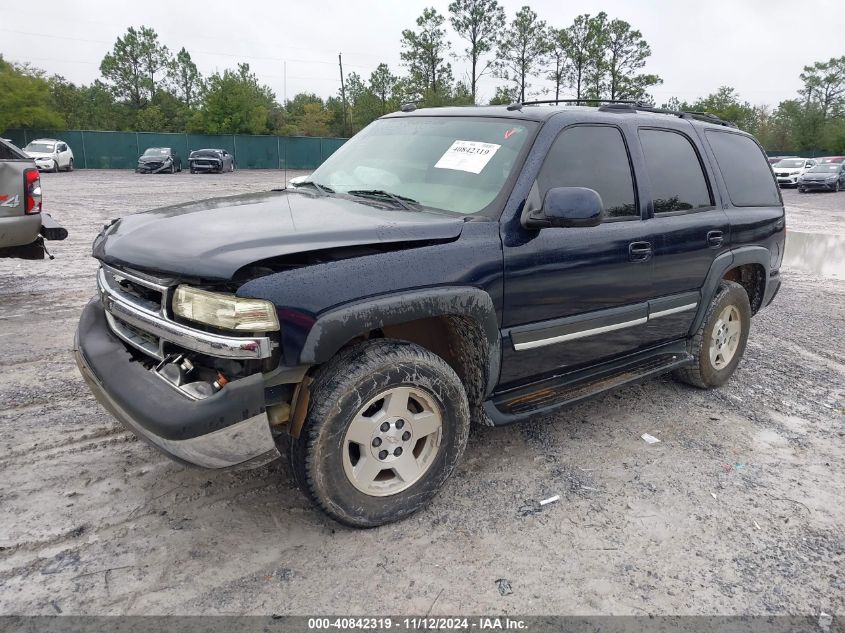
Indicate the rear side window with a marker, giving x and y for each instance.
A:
(677, 179)
(742, 164)
(594, 157)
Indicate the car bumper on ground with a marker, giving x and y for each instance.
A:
(817, 185)
(230, 428)
(197, 166)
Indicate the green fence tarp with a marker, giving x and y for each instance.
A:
(120, 150)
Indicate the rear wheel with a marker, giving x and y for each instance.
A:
(387, 423)
(719, 343)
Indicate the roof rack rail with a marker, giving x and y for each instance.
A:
(681, 114)
(582, 100)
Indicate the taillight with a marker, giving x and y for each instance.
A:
(32, 191)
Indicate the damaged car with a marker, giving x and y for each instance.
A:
(211, 161)
(157, 160)
(445, 267)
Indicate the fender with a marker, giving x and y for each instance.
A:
(337, 326)
(723, 263)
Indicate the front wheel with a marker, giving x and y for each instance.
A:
(70, 165)
(386, 425)
(836, 187)
(719, 343)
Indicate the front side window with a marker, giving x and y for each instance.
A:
(594, 157)
(743, 166)
(677, 178)
(454, 164)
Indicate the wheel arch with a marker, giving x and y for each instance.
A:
(458, 324)
(748, 266)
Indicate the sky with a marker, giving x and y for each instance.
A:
(757, 46)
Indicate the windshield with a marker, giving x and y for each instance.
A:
(157, 151)
(46, 148)
(457, 164)
(830, 167)
(791, 163)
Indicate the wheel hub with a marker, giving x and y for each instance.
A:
(392, 441)
(725, 337)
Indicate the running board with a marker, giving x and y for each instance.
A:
(547, 395)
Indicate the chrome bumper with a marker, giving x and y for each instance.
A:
(121, 308)
(245, 444)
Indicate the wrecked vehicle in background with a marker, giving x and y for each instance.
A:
(211, 161)
(157, 160)
(444, 266)
(23, 226)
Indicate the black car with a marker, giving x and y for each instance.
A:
(156, 160)
(211, 161)
(823, 177)
(446, 267)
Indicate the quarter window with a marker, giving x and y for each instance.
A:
(594, 157)
(677, 179)
(744, 168)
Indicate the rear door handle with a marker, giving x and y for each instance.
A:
(639, 251)
(715, 239)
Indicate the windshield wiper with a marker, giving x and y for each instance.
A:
(310, 183)
(402, 201)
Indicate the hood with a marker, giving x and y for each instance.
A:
(787, 170)
(212, 239)
(204, 154)
(40, 154)
(152, 159)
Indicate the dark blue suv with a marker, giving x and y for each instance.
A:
(445, 266)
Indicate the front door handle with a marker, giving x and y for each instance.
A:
(715, 239)
(639, 251)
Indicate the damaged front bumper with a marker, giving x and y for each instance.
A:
(154, 168)
(227, 429)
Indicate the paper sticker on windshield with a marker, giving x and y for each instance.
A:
(471, 156)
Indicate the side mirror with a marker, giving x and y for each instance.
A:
(567, 207)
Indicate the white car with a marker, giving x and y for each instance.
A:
(50, 154)
(789, 170)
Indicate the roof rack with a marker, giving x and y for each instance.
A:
(682, 114)
(575, 101)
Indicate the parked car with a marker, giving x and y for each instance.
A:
(156, 160)
(445, 266)
(50, 154)
(788, 170)
(211, 160)
(831, 159)
(823, 177)
(23, 225)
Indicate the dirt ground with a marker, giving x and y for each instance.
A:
(740, 509)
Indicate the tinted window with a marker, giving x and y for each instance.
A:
(594, 157)
(677, 180)
(743, 166)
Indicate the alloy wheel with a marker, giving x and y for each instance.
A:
(725, 338)
(392, 441)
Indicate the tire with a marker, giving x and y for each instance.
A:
(836, 187)
(70, 165)
(346, 397)
(232, 167)
(193, 171)
(55, 169)
(802, 190)
(172, 168)
(706, 372)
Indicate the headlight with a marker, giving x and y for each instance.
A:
(225, 310)
(832, 178)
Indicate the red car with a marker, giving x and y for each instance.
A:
(831, 159)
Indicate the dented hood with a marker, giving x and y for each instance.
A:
(214, 238)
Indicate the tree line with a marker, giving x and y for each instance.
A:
(144, 86)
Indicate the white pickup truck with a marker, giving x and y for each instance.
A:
(23, 227)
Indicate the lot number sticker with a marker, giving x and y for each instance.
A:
(471, 156)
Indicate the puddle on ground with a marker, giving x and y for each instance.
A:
(816, 253)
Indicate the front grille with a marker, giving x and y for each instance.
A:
(131, 289)
(783, 175)
(206, 163)
(151, 165)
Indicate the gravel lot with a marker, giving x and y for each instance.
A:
(738, 510)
